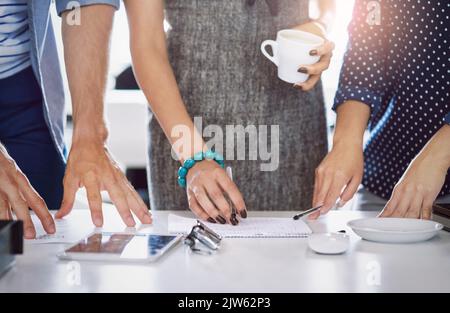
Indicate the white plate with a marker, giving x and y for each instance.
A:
(395, 230)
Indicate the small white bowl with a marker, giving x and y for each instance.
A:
(395, 230)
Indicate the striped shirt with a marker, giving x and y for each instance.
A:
(14, 37)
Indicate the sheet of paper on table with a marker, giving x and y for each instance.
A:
(60, 237)
(252, 227)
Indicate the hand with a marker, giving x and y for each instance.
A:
(17, 196)
(325, 52)
(342, 168)
(91, 166)
(414, 194)
(206, 184)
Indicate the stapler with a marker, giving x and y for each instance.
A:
(11, 243)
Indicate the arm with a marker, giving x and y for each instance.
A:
(318, 27)
(86, 50)
(414, 194)
(155, 76)
(206, 179)
(356, 101)
(340, 173)
(327, 9)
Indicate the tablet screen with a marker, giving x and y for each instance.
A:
(127, 246)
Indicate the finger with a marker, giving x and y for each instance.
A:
(310, 83)
(10, 215)
(207, 206)
(324, 194)
(318, 180)
(233, 193)
(326, 48)
(95, 200)
(317, 68)
(36, 203)
(333, 194)
(404, 199)
(350, 189)
(216, 196)
(22, 212)
(71, 187)
(323, 190)
(197, 209)
(415, 206)
(324, 183)
(427, 207)
(119, 198)
(315, 215)
(136, 204)
(390, 206)
(4, 209)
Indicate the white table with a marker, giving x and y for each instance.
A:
(243, 265)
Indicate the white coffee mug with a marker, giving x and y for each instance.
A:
(290, 51)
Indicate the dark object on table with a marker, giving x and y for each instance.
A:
(138, 178)
(126, 80)
(11, 243)
(441, 214)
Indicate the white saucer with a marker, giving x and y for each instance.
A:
(395, 230)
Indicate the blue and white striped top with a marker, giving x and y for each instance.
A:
(14, 37)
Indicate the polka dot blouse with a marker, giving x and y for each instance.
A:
(398, 63)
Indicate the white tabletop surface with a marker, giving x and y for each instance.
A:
(242, 265)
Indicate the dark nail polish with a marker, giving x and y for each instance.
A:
(313, 52)
(303, 70)
(211, 220)
(298, 87)
(234, 220)
(244, 213)
(221, 220)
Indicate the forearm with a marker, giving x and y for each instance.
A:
(155, 76)
(321, 24)
(351, 122)
(327, 12)
(158, 83)
(86, 52)
(438, 148)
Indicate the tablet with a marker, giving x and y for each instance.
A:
(122, 247)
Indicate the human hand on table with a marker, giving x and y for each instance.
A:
(207, 184)
(325, 52)
(414, 194)
(18, 196)
(90, 165)
(338, 176)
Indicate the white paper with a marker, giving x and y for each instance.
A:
(60, 237)
(251, 227)
(46, 239)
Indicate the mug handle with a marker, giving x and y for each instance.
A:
(274, 46)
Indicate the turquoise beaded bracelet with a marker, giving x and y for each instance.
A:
(189, 163)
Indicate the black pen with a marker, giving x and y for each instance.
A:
(297, 216)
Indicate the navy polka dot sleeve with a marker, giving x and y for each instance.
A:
(398, 63)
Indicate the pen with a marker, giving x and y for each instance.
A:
(297, 216)
(233, 219)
